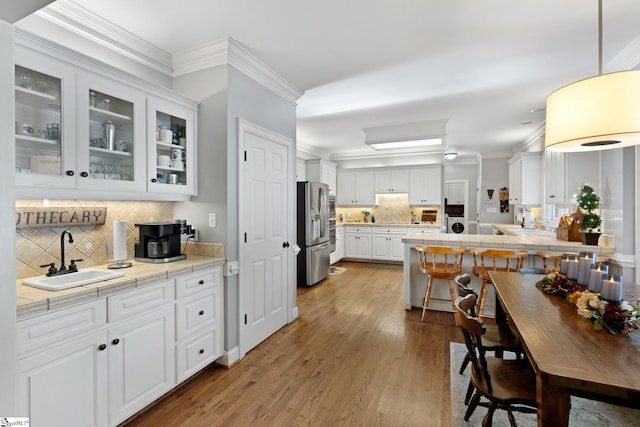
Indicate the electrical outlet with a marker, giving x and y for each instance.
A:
(231, 268)
(212, 220)
(194, 233)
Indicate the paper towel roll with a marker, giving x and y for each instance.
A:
(119, 240)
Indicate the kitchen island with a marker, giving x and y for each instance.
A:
(414, 281)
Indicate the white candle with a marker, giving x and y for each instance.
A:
(572, 272)
(584, 268)
(612, 288)
(564, 265)
(595, 277)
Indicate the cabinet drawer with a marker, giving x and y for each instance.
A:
(42, 331)
(140, 300)
(196, 312)
(358, 230)
(197, 282)
(197, 353)
(389, 230)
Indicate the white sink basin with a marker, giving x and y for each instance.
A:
(71, 280)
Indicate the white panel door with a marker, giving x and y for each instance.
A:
(264, 261)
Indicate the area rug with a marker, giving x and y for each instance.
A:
(383, 265)
(584, 412)
(334, 271)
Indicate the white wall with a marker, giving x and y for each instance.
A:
(495, 175)
(225, 95)
(7, 226)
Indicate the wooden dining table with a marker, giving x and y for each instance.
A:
(569, 356)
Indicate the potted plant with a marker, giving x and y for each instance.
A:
(589, 202)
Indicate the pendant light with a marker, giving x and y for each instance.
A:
(596, 113)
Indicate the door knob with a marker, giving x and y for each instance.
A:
(285, 244)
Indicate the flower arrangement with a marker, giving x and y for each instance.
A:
(617, 318)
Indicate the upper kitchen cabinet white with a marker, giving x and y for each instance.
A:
(391, 181)
(355, 188)
(555, 179)
(112, 151)
(524, 179)
(582, 168)
(45, 133)
(425, 186)
(454, 193)
(171, 146)
(322, 171)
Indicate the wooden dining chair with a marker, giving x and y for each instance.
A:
(439, 263)
(497, 338)
(507, 384)
(494, 260)
(550, 261)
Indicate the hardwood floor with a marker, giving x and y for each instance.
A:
(354, 357)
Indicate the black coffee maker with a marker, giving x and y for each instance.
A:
(159, 242)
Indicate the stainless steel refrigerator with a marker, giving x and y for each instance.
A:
(313, 232)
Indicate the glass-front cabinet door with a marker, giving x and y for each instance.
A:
(111, 139)
(44, 122)
(171, 148)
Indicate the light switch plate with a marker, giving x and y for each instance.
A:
(212, 220)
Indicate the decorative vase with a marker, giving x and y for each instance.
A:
(590, 238)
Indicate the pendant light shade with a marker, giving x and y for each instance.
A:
(594, 114)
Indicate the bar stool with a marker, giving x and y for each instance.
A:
(494, 260)
(547, 258)
(439, 263)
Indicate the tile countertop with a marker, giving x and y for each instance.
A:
(388, 224)
(535, 242)
(32, 301)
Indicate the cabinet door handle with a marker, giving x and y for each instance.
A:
(84, 174)
(70, 173)
(201, 282)
(115, 341)
(201, 313)
(201, 351)
(102, 347)
(154, 180)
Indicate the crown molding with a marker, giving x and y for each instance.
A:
(307, 152)
(90, 26)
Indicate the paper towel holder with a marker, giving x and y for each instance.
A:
(117, 242)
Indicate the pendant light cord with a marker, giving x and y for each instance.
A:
(599, 37)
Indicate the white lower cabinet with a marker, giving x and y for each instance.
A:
(66, 385)
(358, 243)
(98, 363)
(339, 253)
(198, 322)
(141, 362)
(387, 244)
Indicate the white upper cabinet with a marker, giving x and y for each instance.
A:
(391, 181)
(82, 128)
(355, 188)
(524, 179)
(322, 171)
(171, 133)
(454, 193)
(425, 186)
(555, 179)
(45, 133)
(112, 151)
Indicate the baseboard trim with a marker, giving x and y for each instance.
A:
(229, 357)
